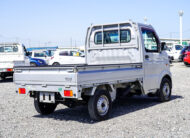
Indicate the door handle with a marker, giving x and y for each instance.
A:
(146, 56)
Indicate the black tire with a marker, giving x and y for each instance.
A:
(164, 93)
(102, 99)
(186, 64)
(56, 64)
(33, 64)
(44, 108)
(3, 76)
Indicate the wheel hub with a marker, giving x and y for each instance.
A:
(103, 105)
(166, 90)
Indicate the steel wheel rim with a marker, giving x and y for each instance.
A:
(103, 105)
(166, 90)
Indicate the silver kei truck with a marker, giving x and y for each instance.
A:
(121, 59)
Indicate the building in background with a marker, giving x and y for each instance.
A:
(172, 41)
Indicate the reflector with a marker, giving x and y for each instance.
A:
(9, 69)
(68, 93)
(22, 91)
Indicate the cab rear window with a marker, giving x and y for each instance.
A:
(8, 49)
(113, 36)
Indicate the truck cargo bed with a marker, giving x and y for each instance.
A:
(77, 74)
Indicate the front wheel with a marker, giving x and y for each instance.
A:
(56, 64)
(164, 92)
(44, 108)
(99, 105)
(33, 64)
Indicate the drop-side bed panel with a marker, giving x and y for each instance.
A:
(109, 75)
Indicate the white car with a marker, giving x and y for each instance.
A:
(66, 57)
(174, 52)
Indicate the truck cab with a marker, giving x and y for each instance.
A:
(129, 43)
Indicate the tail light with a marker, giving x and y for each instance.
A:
(9, 69)
(68, 93)
(22, 91)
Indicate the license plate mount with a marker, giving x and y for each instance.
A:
(47, 97)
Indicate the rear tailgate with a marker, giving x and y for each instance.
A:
(7, 59)
(6, 65)
(46, 79)
(45, 75)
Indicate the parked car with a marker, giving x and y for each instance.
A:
(12, 54)
(37, 62)
(40, 55)
(186, 59)
(174, 52)
(67, 56)
(182, 53)
(118, 63)
(166, 48)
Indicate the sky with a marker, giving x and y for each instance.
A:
(64, 22)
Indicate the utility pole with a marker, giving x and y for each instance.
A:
(181, 25)
(71, 42)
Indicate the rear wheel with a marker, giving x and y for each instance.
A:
(186, 63)
(99, 105)
(3, 76)
(56, 64)
(44, 108)
(164, 92)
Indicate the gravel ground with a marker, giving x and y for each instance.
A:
(131, 117)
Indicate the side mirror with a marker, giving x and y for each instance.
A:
(163, 44)
(27, 54)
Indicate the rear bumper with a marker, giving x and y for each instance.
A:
(6, 74)
(50, 89)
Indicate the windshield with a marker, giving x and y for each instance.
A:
(42, 54)
(178, 47)
(8, 49)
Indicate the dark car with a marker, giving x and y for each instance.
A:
(37, 62)
(182, 53)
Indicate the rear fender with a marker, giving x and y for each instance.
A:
(108, 87)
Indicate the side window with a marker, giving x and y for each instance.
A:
(2, 49)
(64, 53)
(151, 42)
(178, 47)
(39, 55)
(98, 38)
(125, 36)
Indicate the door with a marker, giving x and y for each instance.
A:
(153, 60)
